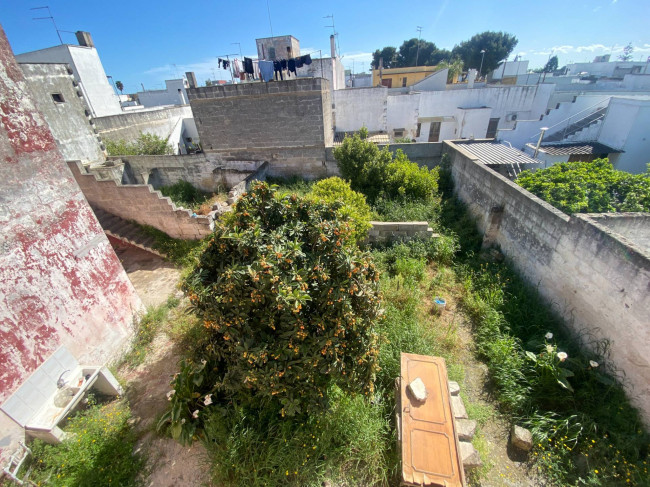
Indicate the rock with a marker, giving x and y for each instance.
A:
(458, 408)
(454, 388)
(133, 421)
(465, 428)
(521, 438)
(418, 390)
(470, 457)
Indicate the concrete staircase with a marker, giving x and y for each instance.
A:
(126, 231)
(571, 131)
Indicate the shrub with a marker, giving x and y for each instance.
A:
(378, 173)
(144, 145)
(355, 209)
(589, 187)
(288, 302)
(184, 194)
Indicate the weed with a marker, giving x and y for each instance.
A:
(183, 253)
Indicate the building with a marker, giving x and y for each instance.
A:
(506, 73)
(87, 70)
(278, 47)
(329, 68)
(401, 77)
(174, 94)
(61, 284)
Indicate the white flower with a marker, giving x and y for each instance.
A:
(593, 364)
(549, 348)
(170, 394)
(548, 336)
(208, 399)
(195, 414)
(183, 421)
(562, 356)
(204, 361)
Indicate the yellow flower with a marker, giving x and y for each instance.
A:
(596, 470)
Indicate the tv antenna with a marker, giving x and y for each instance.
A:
(336, 34)
(417, 53)
(48, 17)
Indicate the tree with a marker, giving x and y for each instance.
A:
(119, 86)
(497, 47)
(627, 53)
(428, 54)
(388, 54)
(455, 67)
(551, 65)
(589, 187)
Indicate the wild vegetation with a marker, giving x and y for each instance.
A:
(589, 187)
(144, 145)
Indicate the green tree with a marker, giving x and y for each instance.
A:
(497, 47)
(119, 86)
(551, 65)
(627, 53)
(389, 56)
(428, 55)
(589, 187)
(455, 67)
(289, 304)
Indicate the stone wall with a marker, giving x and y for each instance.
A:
(239, 189)
(383, 231)
(68, 119)
(595, 279)
(142, 204)
(159, 121)
(206, 172)
(60, 280)
(633, 226)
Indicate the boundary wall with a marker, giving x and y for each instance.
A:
(142, 204)
(597, 280)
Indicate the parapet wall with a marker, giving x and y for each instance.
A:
(384, 231)
(595, 279)
(635, 227)
(142, 204)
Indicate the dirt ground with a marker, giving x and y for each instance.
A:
(153, 278)
(503, 465)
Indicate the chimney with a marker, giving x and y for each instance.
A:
(84, 39)
(333, 46)
(191, 79)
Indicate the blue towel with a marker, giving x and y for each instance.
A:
(266, 70)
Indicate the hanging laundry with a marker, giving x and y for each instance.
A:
(235, 64)
(277, 68)
(226, 64)
(220, 61)
(299, 63)
(306, 59)
(242, 75)
(266, 70)
(248, 65)
(291, 65)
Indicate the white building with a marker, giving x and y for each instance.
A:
(87, 70)
(174, 94)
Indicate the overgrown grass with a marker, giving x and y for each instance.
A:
(183, 253)
(185, 195)
(146, 330)
(99, 451)
(408, 210)
(293, 184)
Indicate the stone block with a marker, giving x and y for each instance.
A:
(458, 408)
(469, 456)
(521, 438)
(454, 388)
(465, 429)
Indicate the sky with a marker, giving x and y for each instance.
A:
(142, 43)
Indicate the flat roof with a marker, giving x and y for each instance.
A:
(493, 153)
(578, 148)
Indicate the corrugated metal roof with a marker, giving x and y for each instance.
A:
(578, 148)
(492, 154)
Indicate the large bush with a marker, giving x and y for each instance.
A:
(589, 187)
(354, 207)
(377, 173)
(288, 302)
(144, 145)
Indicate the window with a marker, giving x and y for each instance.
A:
(58, 98)
(403, 82)
(417, 132)
(434, 132)
(492, 128)
(272, 53)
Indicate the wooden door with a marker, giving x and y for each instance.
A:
(434, 132)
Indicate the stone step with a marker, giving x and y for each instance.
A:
(126, 231)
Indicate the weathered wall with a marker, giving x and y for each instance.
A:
(71, 127)
(383, 231)
(169, 96)
(159, 121)
(286, 114)
(632, 226)
(591, 277)
(142, 204)
(360, 107)
(206, 172)
(240, 188)
(60, 281)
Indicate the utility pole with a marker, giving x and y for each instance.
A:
(50, 18)
(417, 53)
